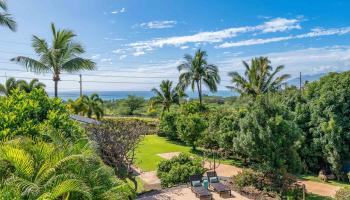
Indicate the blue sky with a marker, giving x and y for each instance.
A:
(141, 42)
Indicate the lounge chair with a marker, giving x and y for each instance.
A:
(215, 183)
(197, 187)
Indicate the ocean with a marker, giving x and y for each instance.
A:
(110, 95)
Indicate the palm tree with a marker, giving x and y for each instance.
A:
(259, 77)
(196, 71)
(28, 87)
(62, 56)
(9, 86)
(36, 169)
(5, 17)
(93, 105)
(166, 95)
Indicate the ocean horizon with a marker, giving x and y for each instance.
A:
(110, 95)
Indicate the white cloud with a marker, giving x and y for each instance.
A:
(119, 51)
(139, 53)
(96, 56)
(122, 57)
(280, 25)
(115, 39)
(312, 34)
(308, 61)
(106, 60)
(184, 47)
(122, 10)
(273, 25)
(158, 24)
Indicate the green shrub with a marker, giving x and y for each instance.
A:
(178, 170)
(167, 125)
(190, 128)
(26, 113)
(343, 194)
(278, 182)
(246, 178)
(151, 125)
(192, 107)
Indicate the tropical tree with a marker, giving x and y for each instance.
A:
(259, 77)
(35, 169)
(9, 86)
(132, 103)
(92, 105)
(5, 17)
(166, 96)
(30, 86)
(196, 71)
(61, 56)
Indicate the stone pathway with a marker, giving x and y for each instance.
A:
(151, 180)
(320, 188)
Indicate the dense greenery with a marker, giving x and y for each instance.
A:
(178, 170)
(12, 84)
(46, 155)
(87, 106)
(186, 125)
(259, 186)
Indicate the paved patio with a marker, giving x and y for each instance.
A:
(185, 193)
(152, 182)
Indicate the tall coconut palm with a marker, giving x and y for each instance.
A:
(259, 77)
(92, 105)
(61, 56)
(5, 17)
(8, 86)
(166, 96)
(30, 86)
(196, 71)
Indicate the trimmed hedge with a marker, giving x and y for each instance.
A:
(151, 123)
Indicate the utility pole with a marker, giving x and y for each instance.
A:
(300, 81)
(81, 85)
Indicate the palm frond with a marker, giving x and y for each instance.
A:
(3, 5)
(40, 45)
(20, 159)
(31, 64)
(7, 20)
(66, 187)
(77, 64)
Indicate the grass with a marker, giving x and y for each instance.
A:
(147, 158)
(331, 182)
(311, 196)
(146, 153)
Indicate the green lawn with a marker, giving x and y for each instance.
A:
(316, 197)
(146, 153)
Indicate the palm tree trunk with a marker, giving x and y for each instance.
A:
(56, 78)
(199, 92)
(56, 84)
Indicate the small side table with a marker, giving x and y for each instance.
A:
(205, 184)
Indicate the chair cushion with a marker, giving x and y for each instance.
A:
(196, 183)
(213, 179)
